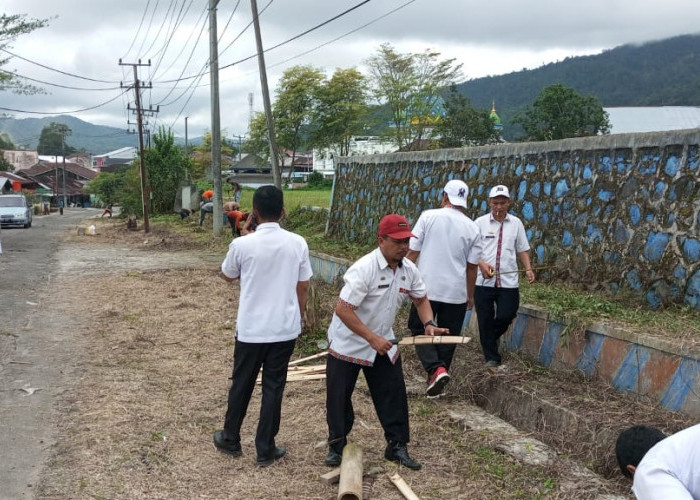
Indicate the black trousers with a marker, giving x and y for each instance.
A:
(446, 316)
(495, 309)
(388, 391)
(248, 358)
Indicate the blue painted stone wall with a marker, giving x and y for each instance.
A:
(619, 211)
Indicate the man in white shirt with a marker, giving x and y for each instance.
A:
(661, 467)
(360, 338)
(497, 298)
(274, 268)
(449, 247)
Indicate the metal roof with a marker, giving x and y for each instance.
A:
(652, 119)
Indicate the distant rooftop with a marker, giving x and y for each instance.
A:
(652, 118)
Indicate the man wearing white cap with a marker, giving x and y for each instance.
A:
(449, 247)
(497, 297)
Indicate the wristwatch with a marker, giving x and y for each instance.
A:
(430, 323)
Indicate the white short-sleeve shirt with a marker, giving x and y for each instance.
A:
(375, 292)
(671, 469)
(514, 241)
(270, 262)
(446, 239)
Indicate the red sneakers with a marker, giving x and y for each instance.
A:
(437, 382)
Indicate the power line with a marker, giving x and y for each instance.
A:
(64, 112)
(136, 36)
(148, 30)
(245, 28)
(344, 34)
(163, 50)
(57, 70)
(56, 84)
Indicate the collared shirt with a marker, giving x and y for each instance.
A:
(270, 262)
(671, 468)
(446, 239)
(375, 292)
(514, 241)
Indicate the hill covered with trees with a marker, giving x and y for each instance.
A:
(661, 73)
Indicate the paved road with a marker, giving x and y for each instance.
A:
(34, 349)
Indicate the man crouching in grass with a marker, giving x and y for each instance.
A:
(274, 268)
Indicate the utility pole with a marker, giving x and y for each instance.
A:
(139, 119)
(187, 146)
(276, 174)
(218, 213)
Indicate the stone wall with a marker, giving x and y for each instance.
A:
(618, 211)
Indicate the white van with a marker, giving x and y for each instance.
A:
(15, 211)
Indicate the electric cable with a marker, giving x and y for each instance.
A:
(148, 30)
(143, 17)
(57, 70)
(57, 84)
(64, 112)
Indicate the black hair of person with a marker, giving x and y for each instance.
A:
(633, 443)
(269, 202)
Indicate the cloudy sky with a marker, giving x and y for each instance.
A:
(86, 39)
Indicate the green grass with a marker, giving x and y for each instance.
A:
(293, 198)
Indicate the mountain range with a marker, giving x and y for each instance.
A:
(660, 73)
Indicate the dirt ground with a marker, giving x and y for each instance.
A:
(155, 356)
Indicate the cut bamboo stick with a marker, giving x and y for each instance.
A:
(350, 485)
(403, 487)
(299, 377)
(308, 358)
(433, 339)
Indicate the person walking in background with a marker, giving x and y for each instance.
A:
(447, 248)
(497, 297)
(274, 269)
(107, 211)
(660, 467)
(360, 335)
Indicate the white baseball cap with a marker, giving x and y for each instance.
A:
(456, 192)
(499, 190)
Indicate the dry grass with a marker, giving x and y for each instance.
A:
(156, 357)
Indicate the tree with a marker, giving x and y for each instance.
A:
(258, 143)
(107, 186)
(202, 157)
(167, 167)
(341, 110)
(52, 140)
(560, 112)
(463, 125)
(410, 85)
(296, 96)
(12, 26)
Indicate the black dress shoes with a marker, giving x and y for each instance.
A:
(230, 447)
(277, 453)
(397, 452)
(333, 458)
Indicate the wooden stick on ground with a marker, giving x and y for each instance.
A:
(403, 487)
(309, 358)
(331, 477)
(350, 485)
(436, 339)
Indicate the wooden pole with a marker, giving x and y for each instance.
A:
(350, 485)
(309, 358)
(403, 487)
(432, 339)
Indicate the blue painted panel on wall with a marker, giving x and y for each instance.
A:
(591, 353)
(630, 369)
(561, 189)
(656, 246)
(681, 384)
(691, 249)
(550, 342)
(635, 214)
(672, 165)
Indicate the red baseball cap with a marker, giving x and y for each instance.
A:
(396, 226)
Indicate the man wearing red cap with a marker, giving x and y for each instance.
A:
(449, 246)
(360, 336)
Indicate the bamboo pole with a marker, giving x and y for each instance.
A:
(350, 485)
(432, 339)
(403, 487)
(309, 358)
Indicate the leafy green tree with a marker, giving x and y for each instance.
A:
(52, 140)
(296, 97)
(257, 142)
(166, 167)
(12, 26)
(202, 157)
(410, 86)
(560, 112)
(107, 186)
(6, 142)
(341, 110)
(463, 125)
